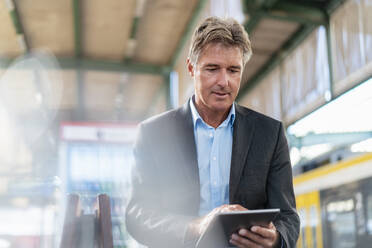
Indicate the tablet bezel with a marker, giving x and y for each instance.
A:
(229, 222)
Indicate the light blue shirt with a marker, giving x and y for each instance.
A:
(213, 148)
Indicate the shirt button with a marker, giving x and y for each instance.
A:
(211, 135)
(214, 158)
(215, 183)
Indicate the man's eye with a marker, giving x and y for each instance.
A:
(234, 71)
(211, 69)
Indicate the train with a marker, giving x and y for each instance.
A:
(334, 203)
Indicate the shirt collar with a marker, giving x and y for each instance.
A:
(195, 114)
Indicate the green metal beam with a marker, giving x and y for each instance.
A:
(132, 67)
(86, 64)
(77, 27)
(16, 22)
(254, 19)
(292, 7)
(269, 3)
(13, 12)
(250, 6)
(294, 17)
(276, 59)
(187, 33)
(284, 11)
(134, 28)
(132, 37)
(299, 12)
(333, 5)
(256, 10)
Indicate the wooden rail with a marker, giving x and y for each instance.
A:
(87, 230)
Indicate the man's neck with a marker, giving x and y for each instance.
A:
(212, 118)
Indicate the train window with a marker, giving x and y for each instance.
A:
(369, 214)
(313, 225)
(341, 224)
(302, 214)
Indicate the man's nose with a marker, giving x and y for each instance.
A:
(223, 78)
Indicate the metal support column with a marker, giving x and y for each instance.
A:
(173, 89)
(167, 89)
(330, 60)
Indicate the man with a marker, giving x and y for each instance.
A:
(211, 155)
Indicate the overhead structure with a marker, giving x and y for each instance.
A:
(127, 38)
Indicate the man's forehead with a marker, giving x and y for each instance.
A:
(218, 53)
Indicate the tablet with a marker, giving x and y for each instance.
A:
(223, 225)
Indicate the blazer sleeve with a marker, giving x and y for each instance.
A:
(280, 192)
(146, 218)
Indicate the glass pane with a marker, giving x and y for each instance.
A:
(305, 77)
(302, 214)
(346, 42)
(313, 225)
(369, 214)
(341, 224)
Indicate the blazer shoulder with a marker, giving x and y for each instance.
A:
(165, 120)
(259, 117)
(159, 118)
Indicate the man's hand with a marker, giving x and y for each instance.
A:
(257, 237)
(222, 209)
(198, 226)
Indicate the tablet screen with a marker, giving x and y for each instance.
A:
(220, 229)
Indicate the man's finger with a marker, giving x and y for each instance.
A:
(232, 208)
(256, 238)
(264, 232)
(243, 242)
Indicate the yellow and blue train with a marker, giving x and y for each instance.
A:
(335, 204)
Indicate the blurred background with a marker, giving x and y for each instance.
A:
(77, 76)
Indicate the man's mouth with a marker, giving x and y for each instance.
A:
(220, 93)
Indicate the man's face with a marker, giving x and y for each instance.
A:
(217, 75)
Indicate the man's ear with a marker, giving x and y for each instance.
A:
(190, 67)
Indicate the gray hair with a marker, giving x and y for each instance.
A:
(216, 30)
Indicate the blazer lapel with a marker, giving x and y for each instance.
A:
(187, 144)
(242, 139)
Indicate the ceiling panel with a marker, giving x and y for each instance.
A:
(270, 35)
(9, 46)
(106, 26)
(161, 28)
(48, 24)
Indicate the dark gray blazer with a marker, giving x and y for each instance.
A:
(165, 192)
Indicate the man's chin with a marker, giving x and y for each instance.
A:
(221, 107)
